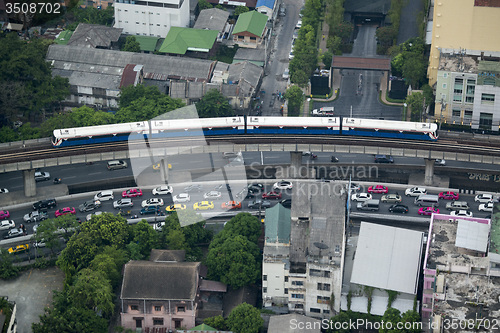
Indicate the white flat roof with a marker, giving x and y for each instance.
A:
(472, 235)
(388, 258)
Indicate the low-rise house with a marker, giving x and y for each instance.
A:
(214, 19)
(199, 43)
(250, 29)
(268, 7)
(95, 36)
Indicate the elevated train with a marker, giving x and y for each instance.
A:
(245, 125)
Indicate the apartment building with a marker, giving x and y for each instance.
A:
(151, 18)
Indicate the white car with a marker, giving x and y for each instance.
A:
(483, 198)
(4, 190)
(415, 191)
(164, 189)
(181, 197)
(440, 161)
(298, 25)
(212, 195)
(486, 207)
(286, 74)
(360, 197)
(283, 185)
(89, 216)
(104, 196)
(152, 202)
(125, 202)
(462, 212)
(7, 224)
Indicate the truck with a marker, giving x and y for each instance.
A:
(326, 111)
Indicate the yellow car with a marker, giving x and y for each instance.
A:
(203, 205)
(174, 207)
(157, 166)
(19, 248)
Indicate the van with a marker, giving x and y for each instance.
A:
(323, 112)
(428, 200)
(116, 164)
(368, 205)
(104, 196)
(457, 205)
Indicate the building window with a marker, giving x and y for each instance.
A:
(489, 81)
(286, 291)
(315, 310)
(326, 311)
(126, 10)
(134, 307)
(241, 37)
(253, 39)
(467, 115)
(485, 120)
(299, 306)
(264, 290)
(157, 308)
(136, 12)
(126, 21)
(323, 299)
(487, 98)
(286, 278)
(264, 277)
(444, 85)
(297, 283)
(457, 97)
(119, 21)
(445, 75)
(144, 23)
(136, 22)
(469, 99)
(157, 25)
(158, 321)
(181, 309)
(324, 286)
(298, 296)
(456, 113)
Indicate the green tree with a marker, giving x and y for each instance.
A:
(92, 290)
(7, 269)
(26, 132)
(130, 94)
(47, 233)
(342, 317)
(411, 316)
(327, 58)
(386, 35)
(146, 108)
(66, 225)
(217, 322)
(214, 104)
(243, 224)
(204, 4)
(234, 262)
(145, 236)
(295, 98)
(240, 10)
(414, 70)
(131, 45)
(7, 134)
(343, 30)
(93, 15)
(245, 319)
(106, 265)
(393, 316)
(415, 102)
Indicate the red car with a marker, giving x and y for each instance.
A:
(378, 189)
(428, 211)
(448, 195)
(271, 195)
(4, 214)
(65, 211)
(231, 205)
(132, 193)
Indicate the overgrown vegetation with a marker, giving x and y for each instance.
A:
(386, 36)
(243, 319)
(295, 97)
(392, 297)
(226, 54)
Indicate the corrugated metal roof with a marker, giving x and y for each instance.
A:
(472, 235)
(213, 19)
(267, 3)
(147, 43)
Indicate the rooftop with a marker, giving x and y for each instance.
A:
(282, 324)
(147, 43)
(212, 19)
(252, 22)
(167, 255)
(180, 40)
(267, 3)
(457, 63)
(94, 35)
(277, 225)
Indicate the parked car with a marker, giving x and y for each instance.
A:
(203, 205)
(87, 206)
(181, 197)
(254, 188)
(231, 205)
(287, 203)
(384, 159)
(35, 216)
(41, 176)
(378, 189)
(392, 198)
(193, 188)
(259, 203)
(397, 208)
(271, 195)
(161, 190)
(4, 214)
(415, 191)
(65, 211)
(18, 249)
(462, 212)
(132, 193)
(286, 74)
(126, 202)
(298, 25)
(483, 198)
(283, 185)
(7, 224)
(449, 195)
(89, 216)
(152, 202)
(150, 210)
(212, 195)
(104, 196)
(359, 197)
(44, 204)
(486, 207)
(174, 207)
(16, 232)
(428, 211)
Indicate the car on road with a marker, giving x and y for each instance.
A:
(16, 232)
(132, 193)
(283, 185)
(259, 203)
(104, 196)
(483, 198)
(174, 207)
(7, 224)
(89, 216)
(4, 214)
(287, 203)
(152, 202)
(116, 164)
(181, 197)
(397, 208)
(4, 190)
(203, 205)
(44, 204)
(298, 25)
(486, 207)
(286, 74)
(19, 249)
(462, 212)
(162, 190)
(391, 198)
(428, 211)
(384, 159)
(440, 161)
(150, 210)
(87, 206)
(212, 195)
(457, 205)
(41, 176)
(35, 216)
(271, 195)
(193, 188)
(65, 211)
(415, 191)
(449, 195)
(231, 205)
(126, 202)
(229, 154)
(359, 197)
(254, 188)
(378, 189)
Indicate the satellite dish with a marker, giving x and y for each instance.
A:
(321, 246)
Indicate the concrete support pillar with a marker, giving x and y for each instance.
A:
(295, 164)
(429, 171)
(29, 183)
(164, 171)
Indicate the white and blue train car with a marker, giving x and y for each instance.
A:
(293, 125)
(197, 127)
(389, 129)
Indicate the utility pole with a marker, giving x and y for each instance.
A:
(443, 105)
(422, 112)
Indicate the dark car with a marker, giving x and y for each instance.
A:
(150, 210)
(287, 203)
(44, 204)
(259, 202)
(398, 209)
(87, 206)
(254, 188)
(17, 232)
(384, 159)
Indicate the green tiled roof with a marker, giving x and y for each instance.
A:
(179, 40)
(64, 37)
(277, 224)
(203, 327)
(147, 43)
(252, 22)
